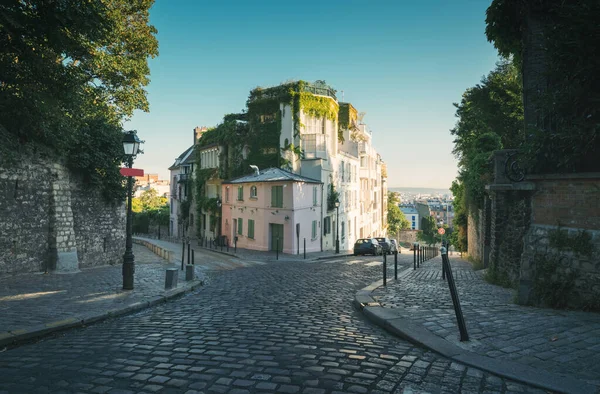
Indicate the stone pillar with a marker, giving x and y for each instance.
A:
(62, 233)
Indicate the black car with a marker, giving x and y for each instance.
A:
(385, 244)
(367, 246)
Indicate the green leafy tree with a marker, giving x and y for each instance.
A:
(555, 46)
(428, 233)
(395, 218)
(71, 72)
(490, 117)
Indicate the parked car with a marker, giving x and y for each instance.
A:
(367, 246)
(394, 246)
(385, 244)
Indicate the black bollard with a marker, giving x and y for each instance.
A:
(414, 257)
(193, 257)
(189, 252)
(396, 265)
(235, 244)
(462, 327)
(277, 249)
(304, 248)
(183, 254)
(384, 268)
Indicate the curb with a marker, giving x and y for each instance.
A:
(18, 337)
(392, 320)
(336, 256)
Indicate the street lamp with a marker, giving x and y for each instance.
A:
(131, 147)
(337, 227)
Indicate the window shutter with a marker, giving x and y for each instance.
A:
(240, 225)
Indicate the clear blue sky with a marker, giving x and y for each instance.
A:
(403, 62)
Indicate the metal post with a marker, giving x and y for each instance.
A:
(337, 231)
(462, 327)
(235, 244)
(419, 254)
(304, 248)
(189, 252)
(385, 269)
(159, 231)
(396, 265)
(128, 257)
(183, 254)
(414, 257)
(277, 248)
(193, 263)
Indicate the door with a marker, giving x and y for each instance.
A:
(276, 236)
(234, 231)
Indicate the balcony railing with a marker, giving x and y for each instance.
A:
(314, 146)
(322, 90)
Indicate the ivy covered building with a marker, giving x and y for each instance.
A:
(302, 128)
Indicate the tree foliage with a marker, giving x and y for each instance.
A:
(395, 218)
(149, 208)
(428, 233)
(565, 132)
(71, 71)
(490, 117)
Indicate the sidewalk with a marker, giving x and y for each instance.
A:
(252, 256)
(33, 305)
(553, 349)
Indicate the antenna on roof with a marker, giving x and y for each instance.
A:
(255, 168)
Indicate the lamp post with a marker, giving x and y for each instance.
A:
(131, 146)
(337, 227)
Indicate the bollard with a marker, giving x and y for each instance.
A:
(414, 257)
(189, 252)
(193, 257)
(277, 248)
(235, 244)
(227, 246)
(171, 278)
(183, 254)
(385, 269)
(396, 265)
(304, 248)
(419, 253)
(189, 272)
(462, 327)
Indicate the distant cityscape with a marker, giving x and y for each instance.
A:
(419, 202)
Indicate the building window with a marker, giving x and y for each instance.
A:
(227, 194)
(277, 196)
(250, 228)
(314, 229)
(315, 196)
(343, 230)
(240, 225)
(171, 205)
(240, 193)
(253, 192)
(327, 225)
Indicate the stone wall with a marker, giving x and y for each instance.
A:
(407, 236)
(48, 221)
(509, 224)
(569, 204)
(475, 236)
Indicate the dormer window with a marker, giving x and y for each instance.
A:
(253, 192)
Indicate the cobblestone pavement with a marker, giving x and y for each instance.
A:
(28, 300)
(274, 328)
(566, 342)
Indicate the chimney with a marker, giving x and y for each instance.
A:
(198, 131)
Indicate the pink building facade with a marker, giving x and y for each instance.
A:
(273, 209)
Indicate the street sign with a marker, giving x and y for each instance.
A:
(441, 231)
(131, 172)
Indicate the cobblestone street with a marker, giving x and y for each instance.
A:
(558, 341)
(279, 328)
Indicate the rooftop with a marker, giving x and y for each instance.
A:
(272, 175)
